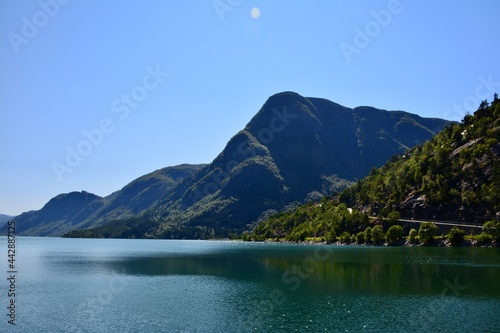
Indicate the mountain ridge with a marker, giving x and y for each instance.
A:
(294, 148)
(90, 210)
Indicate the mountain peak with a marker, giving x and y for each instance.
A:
(278, 111)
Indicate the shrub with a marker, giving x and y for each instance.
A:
(331, 237)
(456, 236)
(413, 235)
(360, 237)
(345, 237)
(483, 238)
(427, 232)
(394, 234)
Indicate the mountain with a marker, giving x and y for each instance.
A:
(59, 215)
(455, 176)
(140, 194)
(81, 210)
(4, 219)
(293, 150)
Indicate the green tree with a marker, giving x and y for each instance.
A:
(353, 238)
(345, 238)
(368, 235)
(394, 234)
(360, 237)
(427, 232)
(331, 237)
(413, 235)
(456, 236)
(378, 234)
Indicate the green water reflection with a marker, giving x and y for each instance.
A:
(337, 270)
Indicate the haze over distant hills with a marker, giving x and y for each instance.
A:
(293, 149)
(80, 210)
(4, 219)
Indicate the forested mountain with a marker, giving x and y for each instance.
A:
(293, 150)
(455, 176)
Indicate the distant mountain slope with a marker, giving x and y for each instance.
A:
(4, 219)
(59, 215)
(140, 194)
(293, 148)
(455, 176)
(80, 210)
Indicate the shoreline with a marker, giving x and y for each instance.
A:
(436, 243)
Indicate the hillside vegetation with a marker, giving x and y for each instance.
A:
(454, 176)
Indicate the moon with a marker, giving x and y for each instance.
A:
(255, 13)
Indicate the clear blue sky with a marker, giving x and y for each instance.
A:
(69, 68)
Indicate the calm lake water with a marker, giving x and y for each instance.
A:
(97, 285)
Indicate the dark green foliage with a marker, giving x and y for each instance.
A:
(326, 219)
(360, 237)
(412, 235)
(368, 235)
(456, 236)
(330, 237)
(394, 234)
(345, 238)
(393, 217)
(484, 239)
(378, 236)
(132, 228)
(144, 228)
(492, 228)
(453, 176)
(427, 232)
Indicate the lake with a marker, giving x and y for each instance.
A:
(111, 285)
